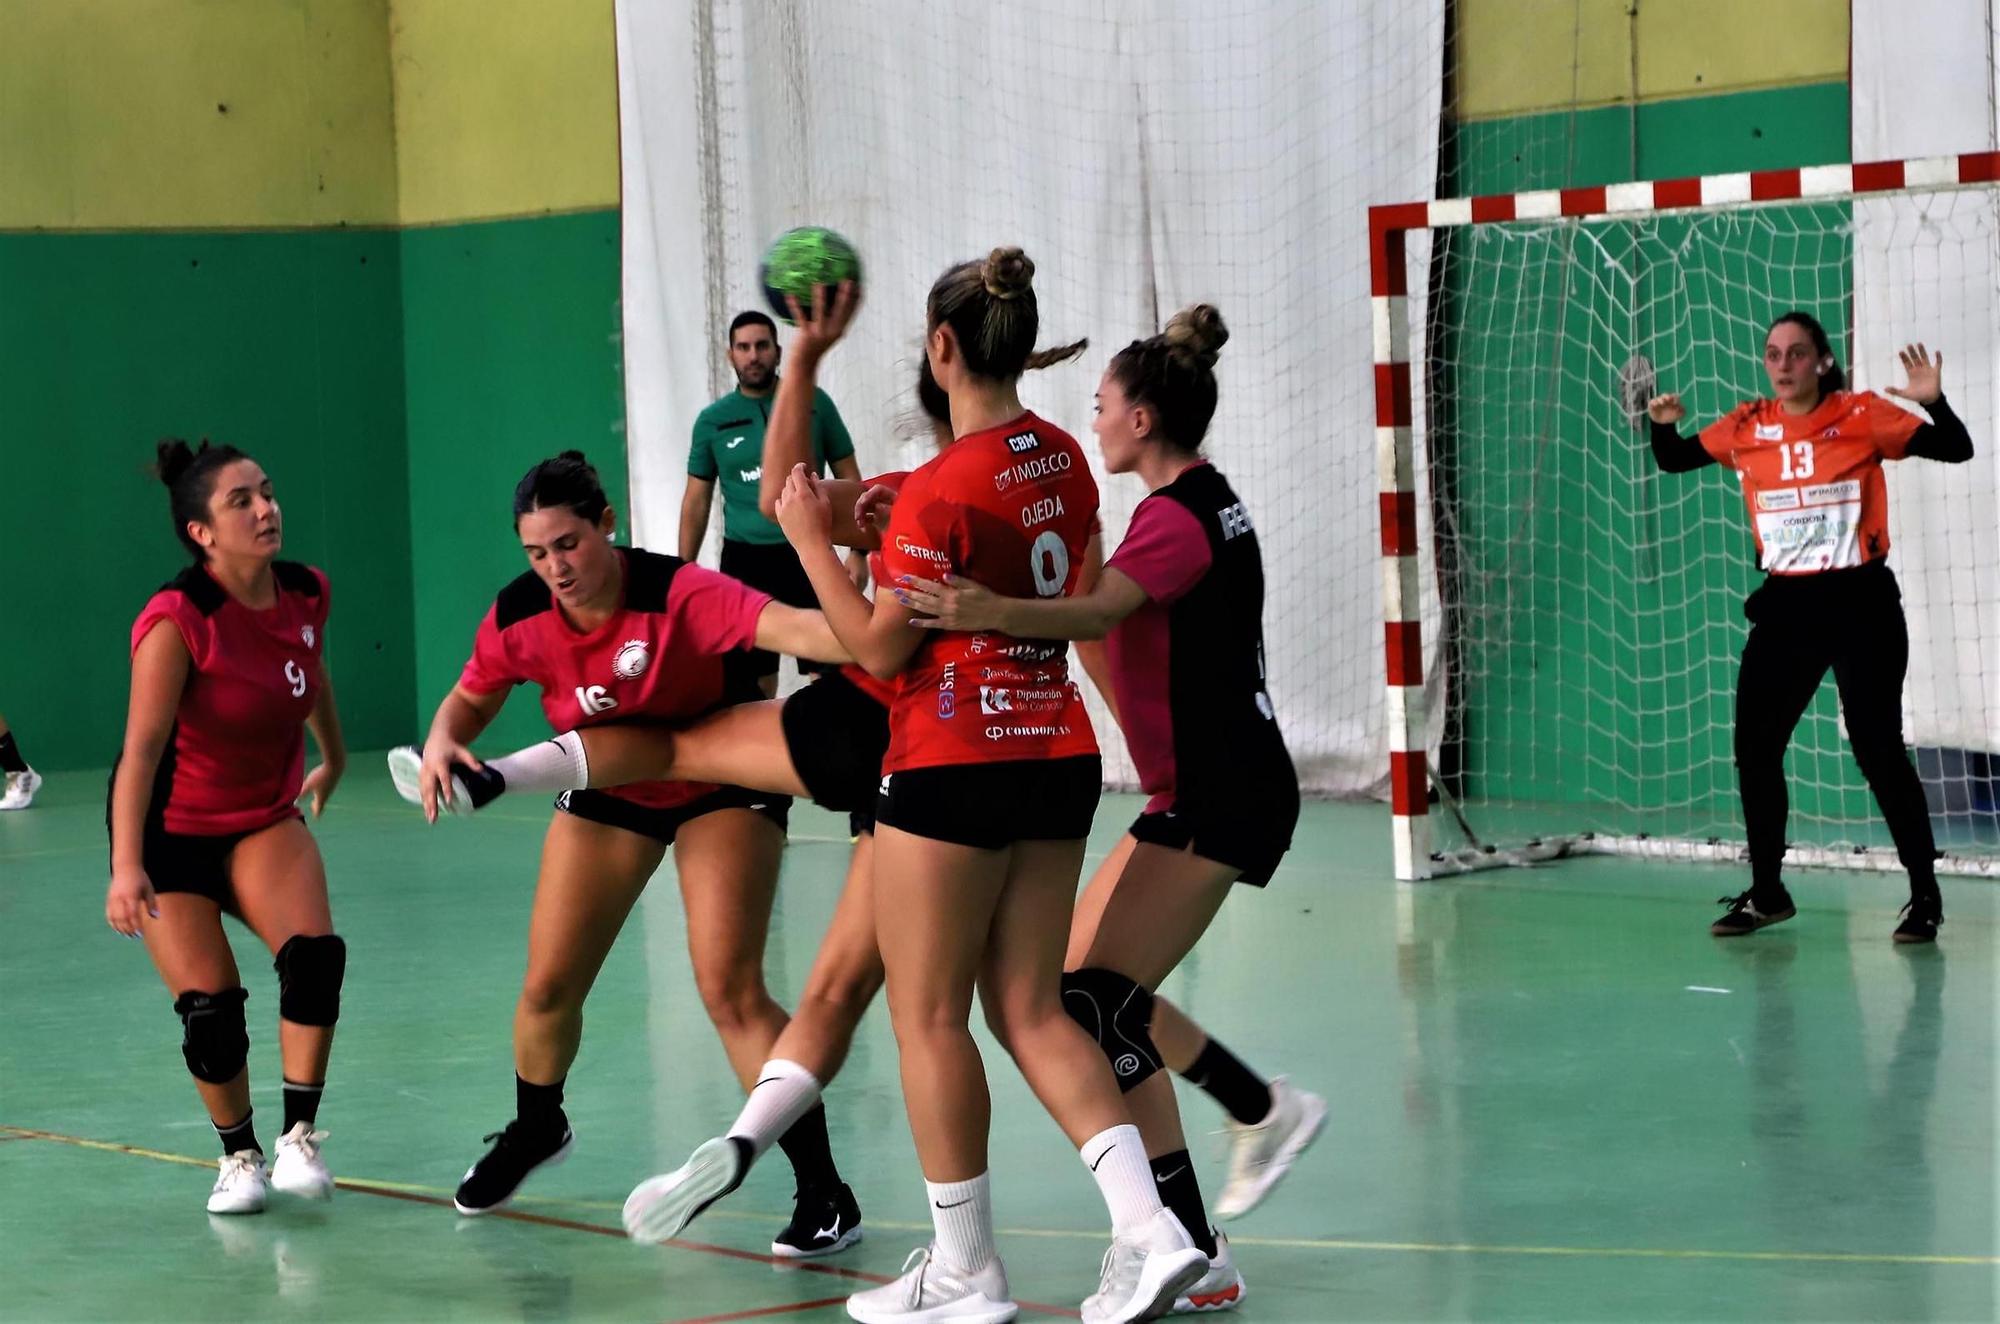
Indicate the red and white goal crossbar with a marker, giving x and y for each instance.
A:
(1389, 282)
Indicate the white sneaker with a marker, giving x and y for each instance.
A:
(1221, 1288)
(1144, 1272)
(241, 1187)
(406, 763)
(1259, 1155)
(20, 789)
(930, 1289)
(660, 1207)
(298, 1169)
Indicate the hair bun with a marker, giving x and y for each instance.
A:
(173, 458)
(1197, 332)
(1007, 273)
(572, 455)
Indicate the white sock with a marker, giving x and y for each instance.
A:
(552, 765)
(1116, 1156)
(784, 1092)
(962, 1217)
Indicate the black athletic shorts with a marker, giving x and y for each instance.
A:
(663, 825)
(994, 805)
(837, 734)
(1251, 838)
(181, 862)
(771, 568)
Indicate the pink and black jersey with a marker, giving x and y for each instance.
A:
(659, 658)
(1012, 507)
(1188, 665)
(235, 759)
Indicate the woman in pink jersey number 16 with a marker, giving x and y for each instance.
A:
(608, 636)
(1810, 457)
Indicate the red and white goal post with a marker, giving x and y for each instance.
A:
(1586, 607)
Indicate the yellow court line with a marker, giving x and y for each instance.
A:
(1068, 1234)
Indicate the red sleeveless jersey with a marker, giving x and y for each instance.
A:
(659, 658)
(236, 757)
(1012, 508)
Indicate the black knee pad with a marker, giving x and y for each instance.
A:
(309, 975)
(214, 1039)
(1118, 1014)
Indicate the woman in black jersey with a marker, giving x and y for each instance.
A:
(1809, 458)
(1185, 587)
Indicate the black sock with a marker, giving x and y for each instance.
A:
(1173, 1174)
(1222, 1076)
(540, 1106)
(10, 755)
(241, 1136)
(810, 1152)
(301, 1104)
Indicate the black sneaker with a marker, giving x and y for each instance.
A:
(1921, 918)
(1748, 913)
(518, 1151)
(471, 788)
(824, 1222)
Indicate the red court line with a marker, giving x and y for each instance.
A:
(569, 1224)
(764, 1311)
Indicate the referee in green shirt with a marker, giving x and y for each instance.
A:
(728, 448)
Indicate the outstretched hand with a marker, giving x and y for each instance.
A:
(952, 603)
(1666, 408)
(1924, 374)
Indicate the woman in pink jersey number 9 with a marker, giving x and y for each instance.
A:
(989, 785)
(1809, 458)
(228, 674)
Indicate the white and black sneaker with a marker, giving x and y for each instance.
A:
(1750, 911)
(242, 1185)
(17, 789)
(824, 1222)
(471, 788)
(659, 1208)
(517, 1152)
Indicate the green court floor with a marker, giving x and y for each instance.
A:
(1553, 1097)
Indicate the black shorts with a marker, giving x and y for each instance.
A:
(663, 825)
(182, 862)
(1250, 838)
(771, 568)
(837, 734)
(994, 805)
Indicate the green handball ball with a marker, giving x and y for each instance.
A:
(799, 259)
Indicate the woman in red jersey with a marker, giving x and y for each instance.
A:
(227, 675)
(990, 783)
(1810, 461)
(1181, 604)
(612, 635)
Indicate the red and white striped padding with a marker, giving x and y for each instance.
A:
(1389, 280)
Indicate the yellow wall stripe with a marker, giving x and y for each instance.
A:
(1519, 57)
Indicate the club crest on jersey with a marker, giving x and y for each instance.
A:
(306, 633)
(1022, 442)
(630, 663)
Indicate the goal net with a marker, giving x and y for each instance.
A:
(1580, 691)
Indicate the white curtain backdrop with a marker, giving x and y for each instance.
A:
(1146, 154)
(1927, 268)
